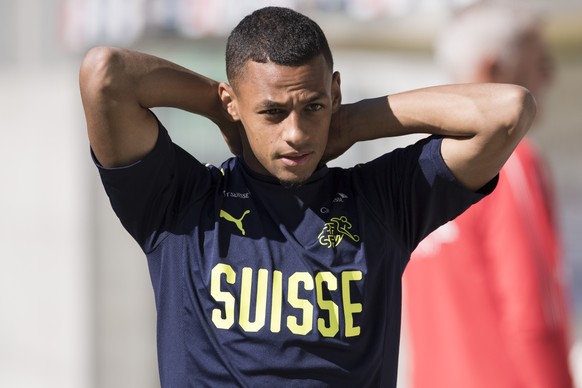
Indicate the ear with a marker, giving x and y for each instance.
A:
(228, 100)
(336, 93)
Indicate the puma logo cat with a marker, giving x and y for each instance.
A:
(236, 221)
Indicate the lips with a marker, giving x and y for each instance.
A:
(296, 159)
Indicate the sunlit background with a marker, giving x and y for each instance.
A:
(76, 305)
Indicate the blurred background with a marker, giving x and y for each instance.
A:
(76, 304)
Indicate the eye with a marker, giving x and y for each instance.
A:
(273, 115)
(272, 112)
(314, 107)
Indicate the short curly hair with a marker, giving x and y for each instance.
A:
(275, 34)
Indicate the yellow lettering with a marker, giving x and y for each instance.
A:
(350, 308)
(305, 305)
(227, 298)
(276, 301)
(252, 312)
(329, 305)
(260, 303)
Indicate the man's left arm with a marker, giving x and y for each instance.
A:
(481, 124)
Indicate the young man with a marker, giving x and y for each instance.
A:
(484, 295)
(275, 269)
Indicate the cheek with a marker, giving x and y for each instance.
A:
(323, 131)
(259, 139)
(259, 144)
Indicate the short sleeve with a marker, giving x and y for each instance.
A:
(150, 195)
(415, 191)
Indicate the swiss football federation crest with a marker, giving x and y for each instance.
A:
(334, 231)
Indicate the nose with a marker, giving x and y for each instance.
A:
(293, 131)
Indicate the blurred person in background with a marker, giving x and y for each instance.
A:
(275, 269)
(484, 299)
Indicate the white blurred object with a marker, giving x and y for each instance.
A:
(197, 18)
(86, 23)
(576, 363)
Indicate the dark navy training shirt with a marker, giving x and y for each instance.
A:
(257, 285)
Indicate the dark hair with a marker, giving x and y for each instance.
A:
(278, 35)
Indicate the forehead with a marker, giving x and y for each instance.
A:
(270, 78)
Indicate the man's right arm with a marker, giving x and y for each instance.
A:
(118, 86)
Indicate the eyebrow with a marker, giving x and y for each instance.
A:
(274, 104)
(270, 104)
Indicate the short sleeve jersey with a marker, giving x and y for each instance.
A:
(257, 285)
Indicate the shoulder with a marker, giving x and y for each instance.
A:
(424, 154)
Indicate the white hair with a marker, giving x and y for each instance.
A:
(485, 29)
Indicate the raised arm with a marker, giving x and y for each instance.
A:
(118, 86)
(481, 124)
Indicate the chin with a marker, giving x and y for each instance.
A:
(291, 184)
(290, 181)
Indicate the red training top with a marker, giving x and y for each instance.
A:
(483, 294)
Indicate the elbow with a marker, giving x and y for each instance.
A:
(510, 117)
(99, 72)
(523, 112)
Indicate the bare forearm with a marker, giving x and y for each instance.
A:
(152, 82)
(450, 110)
